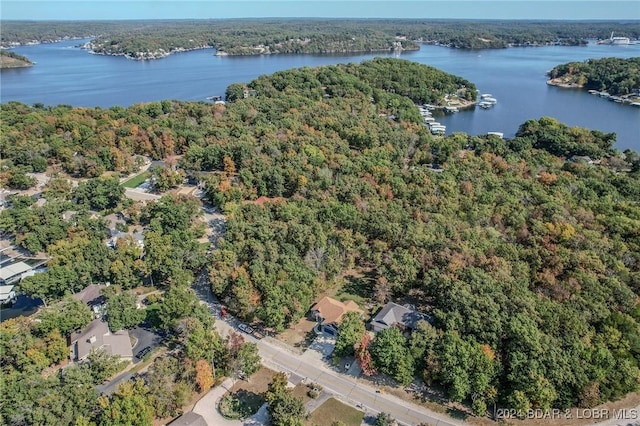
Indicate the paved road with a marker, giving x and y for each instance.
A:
(346, 388)
(352, 391)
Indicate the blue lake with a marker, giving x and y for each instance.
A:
(65, 74)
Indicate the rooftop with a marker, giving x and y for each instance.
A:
(97, 336)
(332, 311)
(392, 314)
(89, 294)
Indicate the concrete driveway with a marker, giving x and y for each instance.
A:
(207, 407)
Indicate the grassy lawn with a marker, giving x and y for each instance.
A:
(333, 410)
(299, 335)
(137, 180)
(302, 391)
(258, 383)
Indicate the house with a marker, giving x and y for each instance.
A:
(328, 313)
(7, 295)
(396, 315)
(97, 336)
(138, 238)
(189, 419)
(92, 296)
(14, 272)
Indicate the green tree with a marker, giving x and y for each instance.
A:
(66, 316)
(129, 405)
(247, 360)
(284, 408)
(103, 365)
(99, 193)
(350, 333)
(391, 355)
(122, 310)
(178, 303)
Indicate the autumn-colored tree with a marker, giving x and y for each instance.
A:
(229, 166)
(363, 356)
(204, 375)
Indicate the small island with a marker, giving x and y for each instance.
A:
(13, 60)
(615, 79)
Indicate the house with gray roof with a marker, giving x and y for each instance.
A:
(394, 315)
(97, 336)
(189, 419)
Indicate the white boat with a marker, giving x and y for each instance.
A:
(620, 41)
(429, 120)
(486, 95)
(485, 105)
(498, 134)
(450, 109)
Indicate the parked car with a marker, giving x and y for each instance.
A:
(143, 352)
(245, 328)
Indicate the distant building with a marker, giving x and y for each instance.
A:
(97, 336)
(394, 315)
(328, 313)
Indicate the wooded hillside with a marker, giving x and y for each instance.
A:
(525, 253)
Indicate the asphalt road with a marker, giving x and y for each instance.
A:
(348, 388)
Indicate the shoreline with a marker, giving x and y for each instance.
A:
(629, 99)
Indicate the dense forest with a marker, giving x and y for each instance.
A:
(525, 252)
(153, 39)
(615, 76)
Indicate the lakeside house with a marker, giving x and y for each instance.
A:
(394, 315)
(328, 313)
(97, 336)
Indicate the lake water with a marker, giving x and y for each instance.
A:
(65, 74)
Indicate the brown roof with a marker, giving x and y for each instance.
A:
(332, 310)
(98, 336)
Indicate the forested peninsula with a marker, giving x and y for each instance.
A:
(614, 76)
(13, 60)
(525, 253)
(157, 39)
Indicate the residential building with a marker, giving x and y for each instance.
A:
(189, 419)
(328, 313)
(394, 315)
(97, 336)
